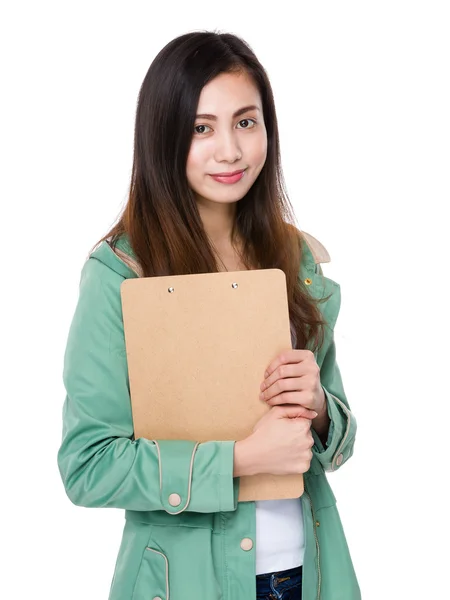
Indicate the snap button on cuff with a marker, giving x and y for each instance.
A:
(246, 544)
(174, 500)
(339, 459)
(308, 281)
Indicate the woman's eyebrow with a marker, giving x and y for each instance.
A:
(239, 112)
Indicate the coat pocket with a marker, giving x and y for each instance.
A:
(136, 537)
(181, 562)
(153, 578)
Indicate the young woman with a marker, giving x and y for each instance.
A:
(206, 195)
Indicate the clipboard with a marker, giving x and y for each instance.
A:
(197, 347)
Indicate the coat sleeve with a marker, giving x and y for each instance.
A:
(341, 434)
(100, 462)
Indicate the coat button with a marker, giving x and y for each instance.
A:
(308, 281)
(174, 500)
(339, 459)
(246, 544)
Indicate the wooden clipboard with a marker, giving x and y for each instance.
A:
(197, 347)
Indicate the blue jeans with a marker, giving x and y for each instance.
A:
(286, 585)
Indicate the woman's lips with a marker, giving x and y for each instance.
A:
(229, 178)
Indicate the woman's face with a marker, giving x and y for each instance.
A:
(223, 142)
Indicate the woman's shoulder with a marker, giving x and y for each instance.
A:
(102, 276)
(117, 256)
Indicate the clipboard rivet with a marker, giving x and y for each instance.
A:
(234, 285)
(171, 289)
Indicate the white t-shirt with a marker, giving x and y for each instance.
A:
(280, 542)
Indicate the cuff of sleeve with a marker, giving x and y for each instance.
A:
(176, 459)
(228, 485)
(334, 430)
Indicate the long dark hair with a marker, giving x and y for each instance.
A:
(161, 220)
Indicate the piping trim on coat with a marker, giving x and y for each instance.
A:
(190, 477)
(167, 569)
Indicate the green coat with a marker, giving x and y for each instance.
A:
(191, 551)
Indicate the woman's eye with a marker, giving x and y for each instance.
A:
(246, 120)
(197, 126)
(202, 127)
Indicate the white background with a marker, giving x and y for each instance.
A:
(362, 95)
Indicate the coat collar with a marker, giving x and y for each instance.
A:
(314, 253)
(317, 284)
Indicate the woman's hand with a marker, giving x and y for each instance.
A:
(281, 442)
(293, 377)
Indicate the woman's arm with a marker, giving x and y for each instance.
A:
(100, 463)
(342, 423)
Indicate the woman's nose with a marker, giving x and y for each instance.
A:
(227, 148)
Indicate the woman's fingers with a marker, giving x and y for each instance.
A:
(294, 410)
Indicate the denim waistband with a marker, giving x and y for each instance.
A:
(281, 574)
